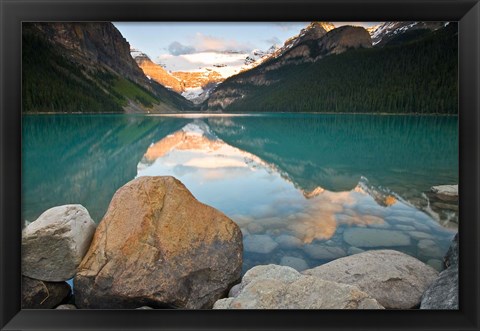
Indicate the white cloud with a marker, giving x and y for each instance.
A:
(203, 42)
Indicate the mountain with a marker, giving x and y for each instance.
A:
(195, 75)
(157, 72)
(390, 32)
(86, 67)
(341, 72)
(313, 31)
(311, 45)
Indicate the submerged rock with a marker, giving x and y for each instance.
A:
(280, 287)
(54, 245)
(294, 262)
(320, 252)
(429, 249)
(288, 242)
(38, 294)
(160, 247)
(394, 279)
(363, 237)
(260, 243)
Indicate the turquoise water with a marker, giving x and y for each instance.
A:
(305, 189)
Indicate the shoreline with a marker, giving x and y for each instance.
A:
(233, 114)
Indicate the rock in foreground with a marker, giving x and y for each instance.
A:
(54, 245)
(280, 287)
(37, 294)
(394, 279)
(443, 293)
(158, 246)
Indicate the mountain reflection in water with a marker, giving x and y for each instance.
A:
(282, 221)
(293, 182)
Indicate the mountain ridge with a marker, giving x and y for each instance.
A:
(343, 80)
(89, 69)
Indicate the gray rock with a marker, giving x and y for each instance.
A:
(145, 308)
(54, 245)
(259, 243)
(354, 250)
(435, 264)
(428, 248)
(291, 290)
(451, 258)
(362, 237)
(234, 291)
(38, 294)
(254, 228)
(445, 206)
(418, 235)
(269, 271)
(421, 216)
(443, 293)
(294, 262)
(446, 192)
(288, 242)
(394, 279)
(320, 252)
(404, 227)
(421, 227)
(66, 307)
(393, 219)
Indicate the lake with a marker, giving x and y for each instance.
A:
(304, 188)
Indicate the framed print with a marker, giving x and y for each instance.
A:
(239, 165)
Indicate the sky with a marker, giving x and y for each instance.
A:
(177, 38)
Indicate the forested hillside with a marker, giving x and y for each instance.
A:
(415, 74)
(60, 79)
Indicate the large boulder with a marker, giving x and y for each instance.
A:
(37, 294)
(281, 287)
(451, 258)
(158, 246)
(54, 245)
(394, 279)
(443, 293)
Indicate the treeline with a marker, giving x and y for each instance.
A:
(418, 75)
(53, 81)
(50, 83)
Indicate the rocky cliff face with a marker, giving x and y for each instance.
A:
(96, 45)
(87, 67)
(158, 74)
(312, 44)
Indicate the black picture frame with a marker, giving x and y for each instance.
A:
(13, 12)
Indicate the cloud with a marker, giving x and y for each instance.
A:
(273, 41)
(176, 48)
(287, 26)
(204, 42)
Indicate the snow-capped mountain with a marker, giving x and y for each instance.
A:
(313, 31)
(312, 44)
(383, 33)
(156, 72)
(195, 75)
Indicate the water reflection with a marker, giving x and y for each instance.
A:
(293, 183)
(281, 221)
